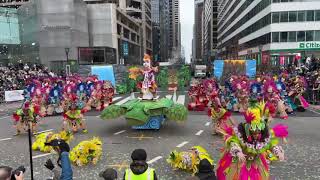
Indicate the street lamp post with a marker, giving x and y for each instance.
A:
(67, 50)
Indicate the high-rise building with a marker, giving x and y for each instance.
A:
(197, 32)
(12, 3)
(160, 29)
(209, 36)
(140, 10)
(271, 31)
(174, 29)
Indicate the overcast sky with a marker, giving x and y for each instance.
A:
(187, 20)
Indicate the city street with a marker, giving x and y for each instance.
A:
(119, 140)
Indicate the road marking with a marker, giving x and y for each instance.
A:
(119, 132)
(4, 117)
(116, 98)
(41, 155)
(182, 144)
(168, 96)
(123, 101)
(181, 99)
(5, 139)
(313, 111)
(154, 159)
(207, 124)
(199, 133)
(49, 130)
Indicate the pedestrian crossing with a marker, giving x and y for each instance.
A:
(180, 99)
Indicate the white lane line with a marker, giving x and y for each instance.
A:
(119, 132)
(116, 98)
(182, 144)
(41, 155)
(5, 139)
(154, 159)
(199, 133)
(49, 130)
(207, 124)
(168, 96)
(4, 117)
(181, 99)
(123, 101)
(313, 111)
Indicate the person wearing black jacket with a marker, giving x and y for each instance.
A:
(206, 171)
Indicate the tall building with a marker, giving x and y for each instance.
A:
(271, 31)
(12, 3)
(197, 31)
(174, 29)
(160, 29)
(140, 10)
(210, 28)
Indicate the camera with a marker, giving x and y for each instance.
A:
(17, 172)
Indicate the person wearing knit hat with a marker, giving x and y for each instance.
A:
(109, 174)
(139, 169)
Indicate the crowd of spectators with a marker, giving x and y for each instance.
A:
(13, 77)
(138, 169)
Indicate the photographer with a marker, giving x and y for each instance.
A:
(7, 173)
(64, 162)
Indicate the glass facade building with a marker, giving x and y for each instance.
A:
(269, 30)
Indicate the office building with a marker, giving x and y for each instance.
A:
(271, 31)
(174, 29)
(197, 31)
(210, 28)
(160, 29)
(140, 10)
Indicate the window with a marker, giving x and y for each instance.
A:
(317, 15)
(275, 1)
(293, 16)
(292, 36)
(309, 35)
(317, 35)
(301, 16)
(301, 36)
(275, 37)
(284, 37)
(310, 15)
(284, 16)
(275, 17)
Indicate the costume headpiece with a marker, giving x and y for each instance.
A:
(146, 58)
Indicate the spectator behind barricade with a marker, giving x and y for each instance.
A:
(64, 162)
(7, 173)
(205, 171)
(139, 169)
(109, 174)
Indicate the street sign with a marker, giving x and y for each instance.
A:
(125, 48)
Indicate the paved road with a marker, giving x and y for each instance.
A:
(302, 150)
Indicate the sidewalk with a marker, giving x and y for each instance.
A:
(315, 107)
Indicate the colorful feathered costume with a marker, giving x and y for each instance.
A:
(41, 139)
(189, 160)
(29, 113)
(86, 152)
(73, 119)
(249, 146)
(297, 89)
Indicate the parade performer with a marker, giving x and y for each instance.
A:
(54, 101)
(26, 116)
(148, 85)
(296, 92)
(68, 94)
(256, 90)
(220, 116)
(273, 99)
(86, 152)
(281, 87)
(250, 145)
(107, 94)
(39, 99)
(96, 97)
(241, 94)
(73, 119)
(197, 96)
(43, 138)
(81, 94)
(189, 160)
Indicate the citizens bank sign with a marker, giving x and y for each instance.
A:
(309, 45)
